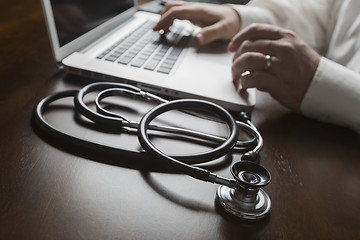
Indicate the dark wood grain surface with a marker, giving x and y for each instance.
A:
(50, 190)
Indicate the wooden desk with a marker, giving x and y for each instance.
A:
(50, 193)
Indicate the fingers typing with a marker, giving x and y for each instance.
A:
(255, 32)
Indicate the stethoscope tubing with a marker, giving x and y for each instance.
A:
(243, 144)
(223, 149)
(120, 122)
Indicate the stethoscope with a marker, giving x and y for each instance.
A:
(242, 196)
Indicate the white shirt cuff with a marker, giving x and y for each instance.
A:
(334, 95)
(253, 14)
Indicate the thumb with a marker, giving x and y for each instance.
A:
(210, 33)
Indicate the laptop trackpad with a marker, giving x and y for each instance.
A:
(214, 52)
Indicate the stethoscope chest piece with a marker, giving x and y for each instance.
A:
(247, 201)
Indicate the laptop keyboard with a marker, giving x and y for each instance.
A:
(147, 49)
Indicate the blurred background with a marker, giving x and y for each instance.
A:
(156, 5)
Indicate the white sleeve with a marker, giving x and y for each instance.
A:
(308, 18)
(334, 95)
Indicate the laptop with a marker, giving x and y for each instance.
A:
(111, 40)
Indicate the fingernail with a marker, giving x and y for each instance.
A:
(200, 38)
(230, 47)
(235, 78)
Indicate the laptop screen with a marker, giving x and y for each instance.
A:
(73, 18)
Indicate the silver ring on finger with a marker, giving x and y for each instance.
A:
(268, 63)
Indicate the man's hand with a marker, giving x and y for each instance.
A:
(286, 73)
(217, 21)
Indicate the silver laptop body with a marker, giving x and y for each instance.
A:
(87, 36)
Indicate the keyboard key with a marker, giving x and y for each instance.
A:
(151, 65)
(101, 56)
(138, 62)
(111, 58)
(146, 49)
(167, 64)
(163, 69)
(125, 60)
